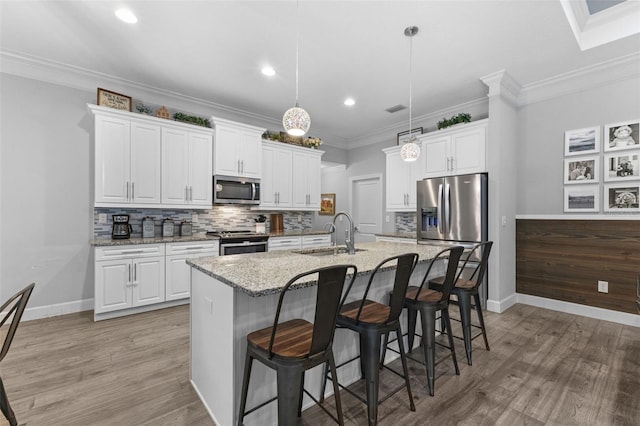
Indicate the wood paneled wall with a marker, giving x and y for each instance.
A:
(564, 259)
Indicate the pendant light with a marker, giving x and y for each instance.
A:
(410, 151)
(296, 121)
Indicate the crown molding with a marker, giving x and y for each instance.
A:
(501, 83)
(604, 73)
(389, 133)
(37, 68)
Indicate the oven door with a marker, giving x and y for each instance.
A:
(242, 248)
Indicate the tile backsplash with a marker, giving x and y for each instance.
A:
(406, 222)
(219, 217)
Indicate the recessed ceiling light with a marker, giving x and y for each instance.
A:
(127, 16)
(268, 71)
(349, 102)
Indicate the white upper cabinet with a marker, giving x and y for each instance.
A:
(186, 168)
(148, 161)
(401, 178)
(306, 179)
(457, 151)
(290, 177)
(277, 169)
(237, 150)
(127, 161)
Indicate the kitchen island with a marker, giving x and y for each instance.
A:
(232, 296)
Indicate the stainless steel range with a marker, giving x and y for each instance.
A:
(239, 242)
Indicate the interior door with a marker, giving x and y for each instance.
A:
(367, 207)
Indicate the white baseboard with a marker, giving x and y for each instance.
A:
(57, 309)
(577, 309)
(195, 388)
(500, 306)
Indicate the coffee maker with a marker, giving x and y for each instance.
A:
(121, 229)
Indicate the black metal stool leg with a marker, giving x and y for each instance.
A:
(405, 370)
(447, 322)
(412, 315)
(301, 395)
(6, 407)
(288, 394)
(428, 317)
(336, 388)
(323, 387)
(248, 362)
(370, 358)
(464, 300)
(481, 319)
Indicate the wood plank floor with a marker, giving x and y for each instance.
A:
(544, 367)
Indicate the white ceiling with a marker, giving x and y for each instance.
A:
(213, 51)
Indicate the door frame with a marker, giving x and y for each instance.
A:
(354, 179)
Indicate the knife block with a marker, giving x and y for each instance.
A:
(261, 228)
(276, 222)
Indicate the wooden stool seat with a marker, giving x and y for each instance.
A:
(426, 295)
(372, 312)
(292, 339)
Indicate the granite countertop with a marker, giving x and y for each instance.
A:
(261, 274)
(103, 242)
(411, 235)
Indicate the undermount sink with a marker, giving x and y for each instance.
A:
(325, 251)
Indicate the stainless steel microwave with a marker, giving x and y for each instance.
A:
(235, 190)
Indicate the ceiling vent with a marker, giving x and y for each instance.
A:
(395, 108)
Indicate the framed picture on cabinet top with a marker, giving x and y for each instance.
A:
(406, 135)
(582, 141)
(327, 204)
(623, 135)
(622, 197)
(581, 170)
(114, 100)
(622, 166)
(582, 198)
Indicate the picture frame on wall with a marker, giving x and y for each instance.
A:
(327, 204)
(622, 197)
(406, 135)
(621, 136)
(113, 100)
(581, 170)
(622, 166)
(582, 141)
(582, 198)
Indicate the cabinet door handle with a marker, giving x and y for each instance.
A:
(127, 191)
(451, 163)
(135, 272)
(241, 166)
(133, 191)
(129, 268)
(190, 193)
(238, 166)
(186, 193)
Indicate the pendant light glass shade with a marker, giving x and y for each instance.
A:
(296, 121)
(410, 151)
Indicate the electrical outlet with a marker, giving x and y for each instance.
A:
(387, 219)
(194, 218)
(504, 221)
(603, 286)
(299, 218)
(102, 218)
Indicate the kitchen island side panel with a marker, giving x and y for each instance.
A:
(212, 346)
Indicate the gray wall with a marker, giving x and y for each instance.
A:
(45, 186)
(542, 127)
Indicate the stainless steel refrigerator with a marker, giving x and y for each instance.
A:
(452, 209)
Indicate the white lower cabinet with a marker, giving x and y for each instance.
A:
(285, 243)
(128, 277)
(316, 241)
(178, 273)
(299, 242)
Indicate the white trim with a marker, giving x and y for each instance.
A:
(577, 309)
(354, 179)
(57, 309)
(594, 217)
(139, 309)
(195, 388)
(500, 306)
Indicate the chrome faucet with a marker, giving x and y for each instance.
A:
(349, 233)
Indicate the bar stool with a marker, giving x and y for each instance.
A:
(428, 302)
(465, 288)
(12, 308)
(294, 346)
(372, 320)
